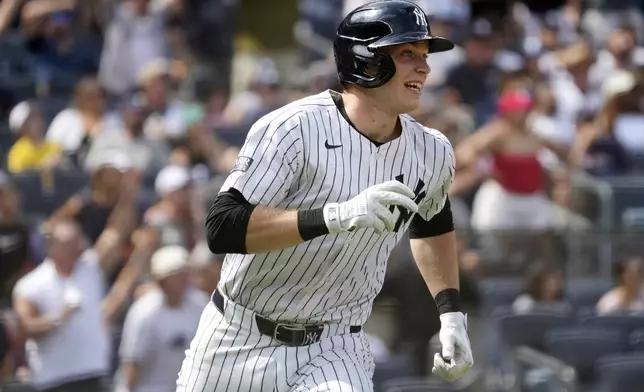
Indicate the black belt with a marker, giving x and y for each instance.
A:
(291, 335)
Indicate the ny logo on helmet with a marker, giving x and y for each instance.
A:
(421, 19)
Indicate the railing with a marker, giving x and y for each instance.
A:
(559, 373)
(604, 224)
(614, 225)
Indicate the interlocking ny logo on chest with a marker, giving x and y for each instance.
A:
(419, 195)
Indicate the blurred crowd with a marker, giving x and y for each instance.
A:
(121, 118)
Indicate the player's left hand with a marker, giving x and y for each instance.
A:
(456, 356)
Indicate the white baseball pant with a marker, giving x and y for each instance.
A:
(228, 353)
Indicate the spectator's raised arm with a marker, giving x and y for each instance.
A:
(36, 10)
(8, 10)
(121, 223)
(145, 243)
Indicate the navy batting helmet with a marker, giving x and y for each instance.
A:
(373, 26)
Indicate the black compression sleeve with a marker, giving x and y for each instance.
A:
(227, 223)
(441, 223)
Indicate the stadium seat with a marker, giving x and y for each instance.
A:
(497, 292)
(636, 340)
(585, 312)
(586, 292)
(633, 218)
(529, 329)
(637, 161)
(621, 372)
(33, 197)
(627, 324)
(17, 386)
(628, 192)
(67, 184)
(51, 106)
(395, 368)
(420, 385)
(16, 60)
(581, 346)
(7, 139)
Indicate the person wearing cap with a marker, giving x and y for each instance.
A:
(159, 326)
(472, 80)
(206, 268)
(30, 152)
(512, 198)
(172, 213)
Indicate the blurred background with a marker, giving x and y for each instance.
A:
(120, 119)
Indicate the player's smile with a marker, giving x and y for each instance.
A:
(415, 86)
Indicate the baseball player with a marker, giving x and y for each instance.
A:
(321, 192)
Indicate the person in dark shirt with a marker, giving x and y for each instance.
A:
(495, 11)
(92, 207)
(6, 365)
(210, 27)
(317, 22)
(541, 7)
(63, 50)
(14, 242)
(476, 79)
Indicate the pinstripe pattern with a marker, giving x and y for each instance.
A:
(331, 279)
(228, 354)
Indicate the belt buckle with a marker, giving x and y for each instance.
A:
(307, 337)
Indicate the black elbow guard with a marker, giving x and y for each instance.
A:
(441, 223)
(227, 223)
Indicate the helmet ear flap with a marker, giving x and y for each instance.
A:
(369, 69)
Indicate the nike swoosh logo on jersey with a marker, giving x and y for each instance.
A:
(331, 146)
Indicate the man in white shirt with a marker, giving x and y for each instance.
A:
(60, 310)
(160, 325)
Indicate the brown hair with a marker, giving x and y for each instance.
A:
(535, 276)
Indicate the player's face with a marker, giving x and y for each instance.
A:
(404, 89)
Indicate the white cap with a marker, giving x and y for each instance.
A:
(618, 82)
(116, 159)
(201, 255)
(168, 260)
(171, 178)
(153, 69)
(18, 116)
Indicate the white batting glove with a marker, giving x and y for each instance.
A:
(456, 356)
(370, 209)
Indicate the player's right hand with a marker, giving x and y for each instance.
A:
(370, 209)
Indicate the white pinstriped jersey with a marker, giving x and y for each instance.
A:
(302, 156)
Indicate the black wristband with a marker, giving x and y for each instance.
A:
(448, 301)
(310, 224)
